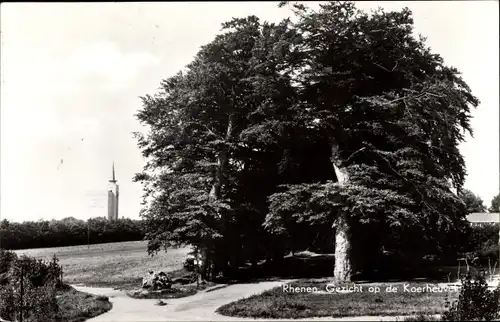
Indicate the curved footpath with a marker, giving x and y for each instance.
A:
(200, 306)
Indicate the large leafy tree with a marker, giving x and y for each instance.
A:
(220, 133)
(495, 204)
(473, 202)
(340, 118)
(394, 115)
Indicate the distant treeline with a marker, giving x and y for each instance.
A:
(67, 232)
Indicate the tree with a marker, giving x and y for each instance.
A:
(341, 118)
(495, 204)
(473, 203)
(214, 129)
(393, 114)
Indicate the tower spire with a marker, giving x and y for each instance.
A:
(113, 196)
(113, 174)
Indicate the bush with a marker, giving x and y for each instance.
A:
(488, 252)
(40, 282)
(7, 303)
(483, 242)
(6, 259)
(476, 302)
(38, 272)
(39, 303)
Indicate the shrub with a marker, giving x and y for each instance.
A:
(40, 282)
(37, 272)
(488, 252)
(476, 302)
(7, 303)
(483, 242)
(39, 303)
(6, 259)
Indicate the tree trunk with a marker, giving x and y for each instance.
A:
(209, 267)
(343, 264)
(219, 176)
(222, 161)
(204, 264)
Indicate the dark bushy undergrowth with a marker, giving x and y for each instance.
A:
(483, 242)
(41, 280)
(68, 232)
(39, 303)
(476, 302)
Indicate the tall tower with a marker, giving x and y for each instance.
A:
(113, 194)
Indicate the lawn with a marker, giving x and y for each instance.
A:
(76, 306)
(110, 265)
(317, 301)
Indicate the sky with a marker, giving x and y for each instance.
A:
(72, 75)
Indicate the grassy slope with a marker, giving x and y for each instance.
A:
(109, 265)
(279, 304)
(76, 306)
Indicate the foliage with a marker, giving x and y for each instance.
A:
(495, 204)
(39, 304)
(37, 272)
(482, 240)
(45, 297)
(476, 302)
(7, 302)
(6, 260)
(67, 232)
(473, 202)
(40, 283)
(395, 115)
(240, 145)
(217, 153)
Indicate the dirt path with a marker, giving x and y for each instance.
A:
(199, 307)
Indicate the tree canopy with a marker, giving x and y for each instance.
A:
(495, 204)
(473, 202)
(275, 131)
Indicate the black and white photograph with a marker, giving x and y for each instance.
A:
(249, 161)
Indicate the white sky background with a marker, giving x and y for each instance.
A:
(75, 71)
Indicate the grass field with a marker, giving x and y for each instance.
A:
(109, 265)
